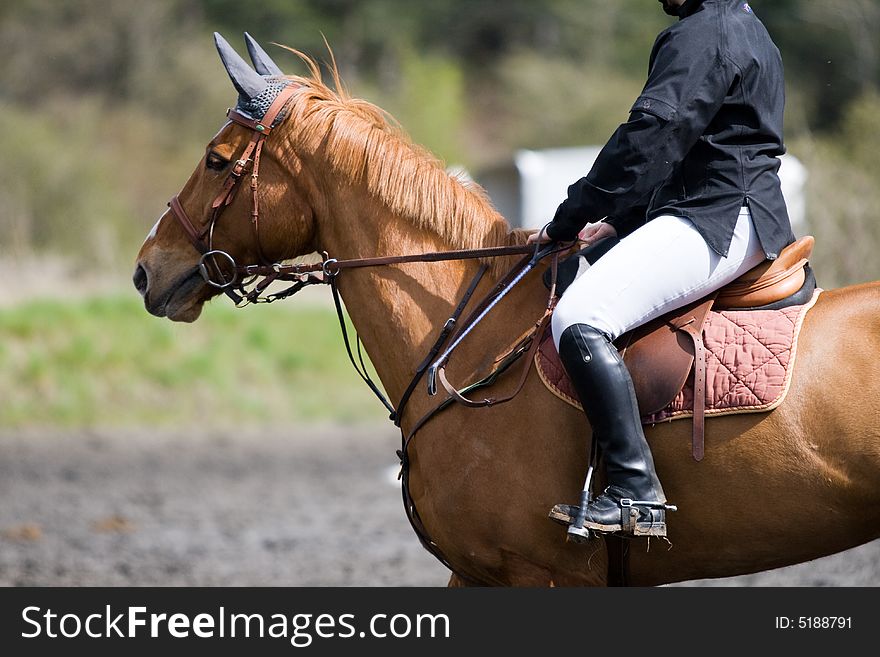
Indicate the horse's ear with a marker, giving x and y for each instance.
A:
(247, 81)
(262, 62)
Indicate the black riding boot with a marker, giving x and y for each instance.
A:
(633, 503)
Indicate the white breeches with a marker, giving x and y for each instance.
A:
(661, 266)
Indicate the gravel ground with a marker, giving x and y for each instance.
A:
(316, 507)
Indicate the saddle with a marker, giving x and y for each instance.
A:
(661, 354)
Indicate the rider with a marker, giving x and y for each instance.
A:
(689, 183)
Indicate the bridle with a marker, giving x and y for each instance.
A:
(203, 240)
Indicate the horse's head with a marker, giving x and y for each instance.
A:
(239, 206)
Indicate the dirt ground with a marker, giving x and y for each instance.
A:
(316, 507)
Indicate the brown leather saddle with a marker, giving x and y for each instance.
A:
(661, 354)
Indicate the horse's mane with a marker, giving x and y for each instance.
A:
(364, 143)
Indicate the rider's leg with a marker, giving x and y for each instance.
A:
(663, 265)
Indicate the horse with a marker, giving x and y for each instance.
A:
(338, 176)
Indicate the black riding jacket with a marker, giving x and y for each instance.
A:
(703, 139)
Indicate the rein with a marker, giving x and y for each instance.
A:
(305, 274)
(331, 268)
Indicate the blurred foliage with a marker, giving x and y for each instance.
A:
(104, 362)
(528, 80)
(843, 195)
(105, 105)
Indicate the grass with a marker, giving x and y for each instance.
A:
(106, 362)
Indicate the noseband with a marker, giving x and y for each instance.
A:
(203, 240)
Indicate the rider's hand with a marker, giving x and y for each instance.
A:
(534, 237)
(597, 231)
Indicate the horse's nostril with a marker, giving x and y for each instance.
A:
(140, 279)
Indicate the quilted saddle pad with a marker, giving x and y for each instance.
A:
(750, 357)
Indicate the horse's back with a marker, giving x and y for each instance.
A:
(792, 484)
(841, 339)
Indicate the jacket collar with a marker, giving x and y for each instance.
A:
(689, 7)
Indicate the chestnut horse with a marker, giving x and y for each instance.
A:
(774, 489)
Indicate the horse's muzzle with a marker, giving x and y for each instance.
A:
(140, 279)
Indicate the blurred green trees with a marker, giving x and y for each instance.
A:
(105, 105)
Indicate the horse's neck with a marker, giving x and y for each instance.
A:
(396, 310)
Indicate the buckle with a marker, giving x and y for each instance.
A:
(627, 502)
(240, 167)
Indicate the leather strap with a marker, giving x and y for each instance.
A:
(535, 337)
(264, 125)
(693, 326)
(195, 237)
(409, 506)
(237, 117)
(333, 266)
(618, 560)
(249, 161)
(362, 370)
(445, 332)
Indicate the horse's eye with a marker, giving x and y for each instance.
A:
(216, 162)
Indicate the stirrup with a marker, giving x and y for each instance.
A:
(630, 525)
(566, 514)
